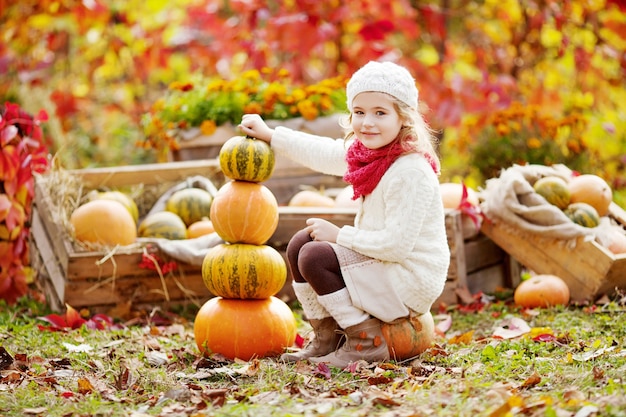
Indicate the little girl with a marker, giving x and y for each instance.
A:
(393, 262)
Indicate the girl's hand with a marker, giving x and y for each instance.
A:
(322, 230)
(253, 125)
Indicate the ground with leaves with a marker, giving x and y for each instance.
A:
(490, 359)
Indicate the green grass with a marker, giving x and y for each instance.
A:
(464, 374)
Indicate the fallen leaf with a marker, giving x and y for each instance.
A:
(531, 381)
(77, 348)
(443, 324)
(322, 369)
(6, 360)
(592, 354)
(464, 338)
(511, 328)
(37, 410)
(84, 386)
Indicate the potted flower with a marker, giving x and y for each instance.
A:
(203, 112)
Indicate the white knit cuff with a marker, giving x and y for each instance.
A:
(339, 304)
(308, 299)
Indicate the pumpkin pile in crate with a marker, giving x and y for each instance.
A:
(245, 319)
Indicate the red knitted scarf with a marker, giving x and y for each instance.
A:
(367, 166)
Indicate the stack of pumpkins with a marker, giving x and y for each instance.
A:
(245, 319)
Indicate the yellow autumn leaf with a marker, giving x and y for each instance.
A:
(40, 21)
(550, 37)
(428, 55)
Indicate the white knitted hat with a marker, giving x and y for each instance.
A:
(383, 77)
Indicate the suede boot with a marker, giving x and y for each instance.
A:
(364, 341)
(326, 339)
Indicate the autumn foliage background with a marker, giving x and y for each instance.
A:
(507, 81)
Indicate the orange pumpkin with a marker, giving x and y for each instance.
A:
(310, 198)
(244, 212)
(592, 190)
(244, 329)
(542, 291)
(125, 199)
(409, 337)
(617, 241)
(244, 271)
(104, 222)
(451, 196)
(200, 228)
(344, 198)
(452, 193)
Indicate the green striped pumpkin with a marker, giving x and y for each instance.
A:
(583, 214)
(554, 190)
(244, 271)
(163, 224)
(191, 204)
(246, 159)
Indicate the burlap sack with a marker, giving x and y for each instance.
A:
(511, 201)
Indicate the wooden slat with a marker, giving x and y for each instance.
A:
(57, 235)
(457, 271)
(482, 252)
(148, 174)
(292, 219)
(585, 269)
(147, 289)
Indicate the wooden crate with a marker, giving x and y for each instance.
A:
(590, 270)
(100, 280)
(96, 278)
(477, 264)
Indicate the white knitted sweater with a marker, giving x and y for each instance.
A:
(401, 222)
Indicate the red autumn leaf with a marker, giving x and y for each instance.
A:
(13, 279)
(435, 21)
(42, 116)
(66, 104)
(322, 369)
(470, 210)
(299, 341)
(545, 337)
(7, 134)
(376, 31)
(71, 320)
(16, 216)
(9, 162)
(5, 206)
(156, 263)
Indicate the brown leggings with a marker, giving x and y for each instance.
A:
(314, 262)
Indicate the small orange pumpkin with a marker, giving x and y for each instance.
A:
(310, 198)
(542, 291)
(407, 338)
(244, 212)
(451, 196)
(344, 198)
(593, 190)
(200, 228)
(104, 222)
(617, 241)
(244, 329)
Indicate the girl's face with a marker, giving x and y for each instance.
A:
(375, 120)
